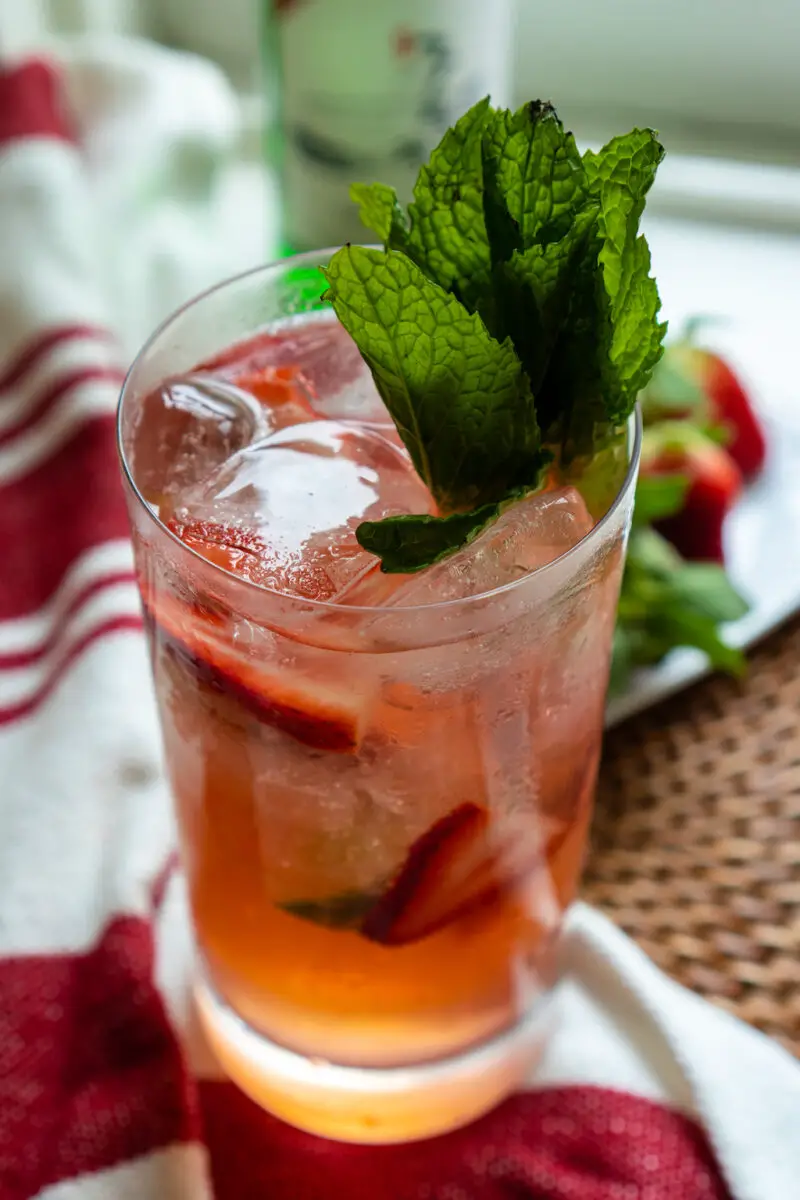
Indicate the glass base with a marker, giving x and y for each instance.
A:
(380, 1105)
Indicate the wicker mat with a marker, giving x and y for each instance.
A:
(696, 842)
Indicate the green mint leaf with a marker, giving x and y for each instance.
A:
(538, 171)
(407, 544)
(631, 159)
(502, 231)
(620, 177)
(513, 307)
(459, 398)
(659, 496)
(448, 232)
(380, 211)
(346, 910)
(537, 285)
(538, 221)
(610, 340)
(599, 476)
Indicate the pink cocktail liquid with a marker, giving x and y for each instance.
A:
(383, 799)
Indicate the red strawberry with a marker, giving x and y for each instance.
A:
(313, 714)
(692, 381)
(453, 868)
(281, 393)
(714, 482)
(730, 406)
(240, 551)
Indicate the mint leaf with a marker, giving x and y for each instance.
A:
(448, 232)
(407, 544)
(538, 171)
(659, 496)
(537, 287)
(599, 476)
(459, 398)
(537, 222)
(631, 159)
(510, 318)
(380, 211)
(611, 340)
(620, 176)
(346, 910)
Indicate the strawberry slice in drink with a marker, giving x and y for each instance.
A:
(315, 714)
(240, 551)
(281, 514)
(455, 867)
(282, 392)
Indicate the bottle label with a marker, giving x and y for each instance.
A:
(368, 90)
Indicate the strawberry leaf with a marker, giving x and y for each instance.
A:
(659, 496)
(667, 602)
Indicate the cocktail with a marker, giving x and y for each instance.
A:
(380, 680)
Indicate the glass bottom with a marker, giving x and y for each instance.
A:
(378, 1105)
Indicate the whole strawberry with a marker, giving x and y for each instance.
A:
(730, 406)
(712, 479)
(694, 382)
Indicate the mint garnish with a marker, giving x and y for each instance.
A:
(410, 543)
(345, 910)
(511, 317)
(460, 399)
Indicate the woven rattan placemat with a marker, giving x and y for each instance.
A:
(696, 840)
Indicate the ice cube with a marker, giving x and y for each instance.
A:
(529, 534)
(328, 361)
(185, 429)
(283, 512)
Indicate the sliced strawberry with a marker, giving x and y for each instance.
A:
(311, 713)
(329, 357)
(714, 483)
(453, 868)
(240, 551)
(281, 391)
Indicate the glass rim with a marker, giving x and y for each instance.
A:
(634, 440)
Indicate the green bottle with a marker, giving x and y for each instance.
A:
(359, 90)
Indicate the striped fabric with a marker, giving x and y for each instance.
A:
(105, 1090)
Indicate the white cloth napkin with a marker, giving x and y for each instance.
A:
(97, 1098)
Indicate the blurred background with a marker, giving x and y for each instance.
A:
(223, 133)
(715, 76)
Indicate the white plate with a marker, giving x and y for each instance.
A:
(763, 562)
(750, 278)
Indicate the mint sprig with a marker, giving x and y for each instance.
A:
(460, 399)
(411, 543)
(511, 317)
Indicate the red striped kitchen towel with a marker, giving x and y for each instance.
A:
(105, 1090)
